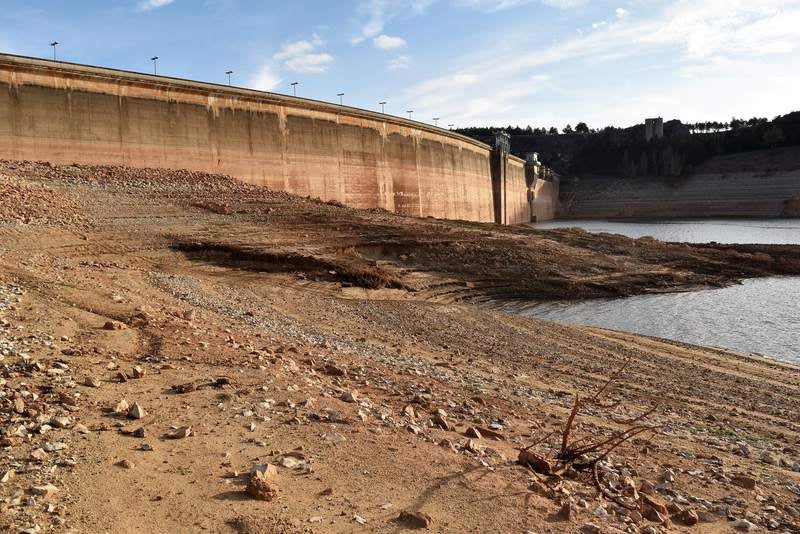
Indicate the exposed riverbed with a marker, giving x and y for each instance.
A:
(759, 316)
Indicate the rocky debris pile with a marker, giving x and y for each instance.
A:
(25, 202)
(205, 190)
(38, 405)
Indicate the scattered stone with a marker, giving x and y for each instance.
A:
(566, 512)
(139, 432)
(472, 446)
(122, 407)
(489, 433)
(744, 525)
(8, 475)
(440, 421)
(590, 528)
(350, 395)
(180, 433)
(39, 455)
(473, 432)
(535, 462)
(138, 372)
(54, 446)
(333, 370)
(91, 382)
(260, 486)
(360, 520)
(61, 422)
(414, 429)
(126, 464)
(768, 458)
(447, 444)
(113, 325)
(744, 481)
(415, 519)
(289, 462)
(136, 411)
(687, 517)
(46, 491)
(408, 411)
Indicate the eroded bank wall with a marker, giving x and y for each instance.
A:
(66, 113)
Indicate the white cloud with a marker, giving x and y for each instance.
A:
(265, 79)
(297, 48)
(311, 63)
(373, 15)
(464, 79)
(386, 42)
(399, 63)
(149, 5)
(303, 56)
(493, 5)
(705, 44)
(723, 27)
(563, 4)
(621, 12)
(500, 5)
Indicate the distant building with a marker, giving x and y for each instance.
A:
(653, 128)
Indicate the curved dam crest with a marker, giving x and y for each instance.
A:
(66, 113)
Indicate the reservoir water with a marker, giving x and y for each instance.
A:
(760, 316)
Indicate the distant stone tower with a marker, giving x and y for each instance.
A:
(653, 128)
(502, 142)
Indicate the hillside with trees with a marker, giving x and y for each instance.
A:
(583, 151)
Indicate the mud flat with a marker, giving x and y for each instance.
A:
(243, 328)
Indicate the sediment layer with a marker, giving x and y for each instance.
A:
(756, 184)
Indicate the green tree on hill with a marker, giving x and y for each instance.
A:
(582, 128)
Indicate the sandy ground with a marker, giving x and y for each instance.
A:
(351, 350)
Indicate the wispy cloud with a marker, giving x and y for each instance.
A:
(564, 4)
(265, 79)
(149, 5)
(373, 15)
(304, 56)
(386, 42)
(399, 63)
(492, 5)
(699, 34)
(731, 27)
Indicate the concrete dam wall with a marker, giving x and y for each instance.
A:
(66, 113)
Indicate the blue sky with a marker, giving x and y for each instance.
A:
(469, 62)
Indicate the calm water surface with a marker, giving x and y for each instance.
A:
(768, 231)
(760, 316)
